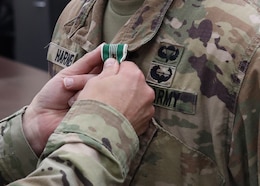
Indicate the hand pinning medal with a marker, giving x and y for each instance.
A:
(117, 51)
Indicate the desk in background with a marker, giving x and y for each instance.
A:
(19, 83)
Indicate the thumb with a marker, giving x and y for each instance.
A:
(111, 67)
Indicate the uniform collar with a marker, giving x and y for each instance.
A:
(86, 28)
(143, 25)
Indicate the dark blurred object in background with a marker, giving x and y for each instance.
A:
(6, 29)
(34, 21)
(26, 27)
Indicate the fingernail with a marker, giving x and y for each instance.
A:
(110, 62)
(68, 82)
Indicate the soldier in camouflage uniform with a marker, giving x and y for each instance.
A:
(200, 57)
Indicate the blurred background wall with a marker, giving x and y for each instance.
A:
(6, 28)
(26, 27)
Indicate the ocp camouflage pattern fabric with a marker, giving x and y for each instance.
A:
(202, 60)
(85, 140)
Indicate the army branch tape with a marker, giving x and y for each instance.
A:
(117, 51)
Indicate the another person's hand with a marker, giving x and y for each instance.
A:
(50, 105)
(124, 88)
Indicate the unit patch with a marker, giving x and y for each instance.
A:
(161, 74)
(60, 55)
(176, 100)
(169, 54)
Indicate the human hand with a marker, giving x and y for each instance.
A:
(50, 105)
(124, 88)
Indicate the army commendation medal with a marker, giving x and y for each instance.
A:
(117, 51)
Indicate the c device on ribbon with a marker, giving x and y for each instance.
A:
(117, 51)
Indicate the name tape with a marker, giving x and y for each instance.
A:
(60, 55)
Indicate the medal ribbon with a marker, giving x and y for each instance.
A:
(117, 51)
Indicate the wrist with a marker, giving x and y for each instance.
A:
(29, 124)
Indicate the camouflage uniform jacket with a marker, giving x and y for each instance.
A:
(201, 59)
(92, 149)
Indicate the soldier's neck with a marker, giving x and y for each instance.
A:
(116, 15)
(125, 7)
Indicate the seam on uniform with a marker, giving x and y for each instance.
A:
(80, 19)
(133, 20)
(254, 4)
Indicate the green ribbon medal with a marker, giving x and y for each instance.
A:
(117, 51)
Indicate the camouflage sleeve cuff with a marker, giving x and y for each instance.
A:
(17, 159)
(106, 127)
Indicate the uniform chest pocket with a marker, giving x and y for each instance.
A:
(169, 162)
